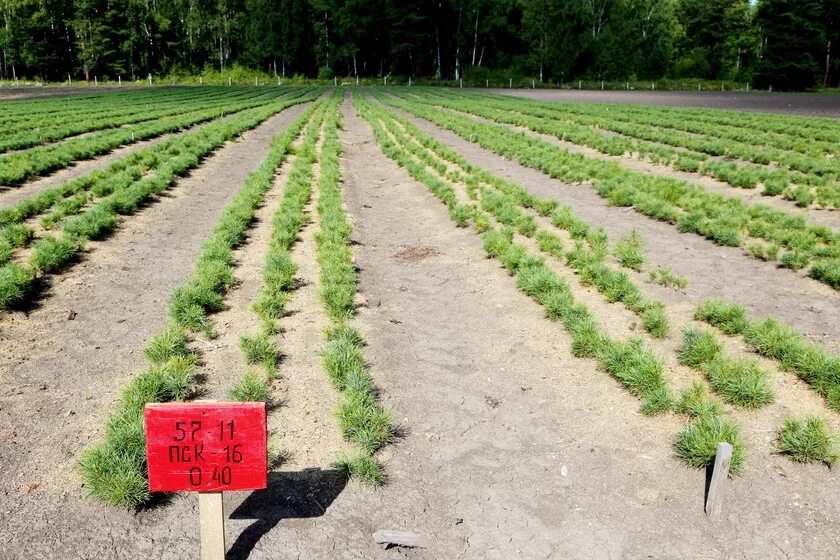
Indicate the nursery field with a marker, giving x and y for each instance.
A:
(514, 327)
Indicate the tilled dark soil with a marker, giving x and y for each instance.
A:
(808, 104)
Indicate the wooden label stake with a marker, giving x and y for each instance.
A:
(207, 448)
(211, 513)
(720, 470)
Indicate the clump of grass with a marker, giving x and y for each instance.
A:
(696, 444)
(655, 321)
(260, 350)
(696, 402)
(51, 253)
(774, 339)
(15, 284)
(629, 251)
(742, 382)
(169, 343)
(361, 466)
(666, 277)
(114, 471)
(638, 370)
(827, 271)
(250, 387)
(729, 318)
(808, 440)
(363, 421)
(699, 347)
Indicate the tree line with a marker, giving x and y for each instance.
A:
(789, 44)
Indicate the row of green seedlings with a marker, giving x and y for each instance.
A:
(52, 253)
(279, 271)
(73, 195)
(817, 184)
(363, 421)
(510, 204)
(778, 341)
(721, 219)
(115, 471)
(111, 115)
(790, 132)
(48, 113)
(110, 104)
(803, 154)
(640, 371)
(23, 110)
(17, 167)
(744, 383)
(260, 350)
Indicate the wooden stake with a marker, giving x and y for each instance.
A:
(720, 470)
(211, 513)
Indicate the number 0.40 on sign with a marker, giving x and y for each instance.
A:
(206, 447)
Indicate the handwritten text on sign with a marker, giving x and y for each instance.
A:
(206, 447)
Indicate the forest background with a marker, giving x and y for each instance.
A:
(787, 44)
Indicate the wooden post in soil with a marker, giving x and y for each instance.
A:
(211, 513)
(720, 470)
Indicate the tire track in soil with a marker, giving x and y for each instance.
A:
(63, 364)
(712, 270)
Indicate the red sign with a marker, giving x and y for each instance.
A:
(206, 447)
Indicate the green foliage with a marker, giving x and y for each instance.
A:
(699, 347)
(808, 440)
(697, 443)
(250, 387)
(629, 251)
(731, 319)
(666, 277)
(741, 382)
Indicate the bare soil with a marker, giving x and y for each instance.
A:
(508, 446)
(807, 104)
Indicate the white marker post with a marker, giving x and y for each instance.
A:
(720, 470)
(150, 79)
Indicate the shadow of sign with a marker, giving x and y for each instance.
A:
(290, 495)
